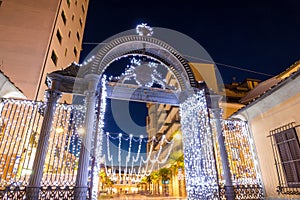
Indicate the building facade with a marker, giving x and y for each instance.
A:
(38, 38)
(8, 88)
(271, 113)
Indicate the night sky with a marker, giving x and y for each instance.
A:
(261, 36)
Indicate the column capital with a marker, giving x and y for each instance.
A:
(94, 77)
(215, 100)
(52, 95)
(93, 80)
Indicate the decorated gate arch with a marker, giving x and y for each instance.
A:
(190, 95)
(198, 109)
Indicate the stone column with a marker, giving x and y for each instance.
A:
(216, 111)
(33, 188)
(85, 151)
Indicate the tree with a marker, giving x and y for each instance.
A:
(147, 180)
(177, 163)
(155, 180)
(165, 174)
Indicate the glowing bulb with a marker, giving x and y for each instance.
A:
(178, 136)
(81, 131)
(59, 130)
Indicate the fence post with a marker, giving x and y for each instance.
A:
(216, 111)
(85, 151)
(33, 188)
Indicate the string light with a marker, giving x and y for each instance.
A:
(99, 142)
(145, 166)
(200, 170)
(240, 153)
(144, 73)
(21, 122)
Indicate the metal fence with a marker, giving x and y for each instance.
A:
(241, 155)
(20, 126)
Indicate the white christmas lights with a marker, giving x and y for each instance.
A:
(144, 30)
(240, 153)
(201, 173)
(99, 142)
(145, 165)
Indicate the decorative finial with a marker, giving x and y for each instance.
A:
(144, 30)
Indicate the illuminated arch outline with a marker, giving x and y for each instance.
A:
(142, 45)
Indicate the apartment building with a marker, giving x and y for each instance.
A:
(39, 37)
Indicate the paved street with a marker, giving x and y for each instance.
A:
(139, 197)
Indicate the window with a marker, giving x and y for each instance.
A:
(78, 36)
(0, 3)
(66, 51)
(80, 22)
(75, 51)
(59, 37)
(69, 34)
(64, 18)
(69, 3)
(54, 57)
(287, 155)
(83, 10)
(73, 16)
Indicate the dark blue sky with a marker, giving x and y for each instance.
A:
(262, 36)
(259, 35)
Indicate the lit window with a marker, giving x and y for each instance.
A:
(69, 3)
(287, 156)
(54, 57)
(64, 18)
(59, 37)
(78, 36)
(75, 51)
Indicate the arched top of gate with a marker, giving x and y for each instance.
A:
(145, 46)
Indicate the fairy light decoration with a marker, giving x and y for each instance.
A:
(99, 143)
(144, 30)
(240, 152)
(200, 170)
(146, 165)
(145, 73)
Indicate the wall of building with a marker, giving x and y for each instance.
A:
(24, 31)
(28, 32)
(261, 125)
(69, 24)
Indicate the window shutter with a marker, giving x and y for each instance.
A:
(289, 151)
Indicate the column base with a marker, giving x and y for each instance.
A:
(229, 192)
(32, 193)
(80, 193)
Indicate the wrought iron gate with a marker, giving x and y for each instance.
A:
(20, 125)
